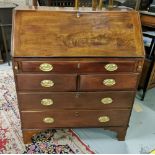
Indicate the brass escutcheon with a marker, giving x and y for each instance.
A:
(103, 119)
(47, 83)
(45, 67)
(111, 67)
(48, 120)
(109, 82)
(46, 102)
(106, 100)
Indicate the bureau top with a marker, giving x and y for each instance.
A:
(61, 32)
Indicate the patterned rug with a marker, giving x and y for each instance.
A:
(51, 141)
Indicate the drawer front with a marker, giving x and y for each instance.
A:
(44, 82)
(90, 100)
(72, 118)
(107, 66)
(49, 66)
(108, 82)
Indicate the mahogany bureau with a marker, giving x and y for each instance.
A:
(76, 69)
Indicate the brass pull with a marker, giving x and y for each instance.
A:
(48, 120)
(107, 100)
(103, 119)
(45, 67)
(109, 82)
(46, 102)
(47, 83)
(111, 67)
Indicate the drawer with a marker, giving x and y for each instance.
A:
(108, 82)
(70, 100)
(77, 66)
(74, 118)
(46, 82)
(107, 66)
(49, 66)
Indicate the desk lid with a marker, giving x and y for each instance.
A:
(62, 32)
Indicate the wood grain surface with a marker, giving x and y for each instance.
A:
(148, 20)
(62, 67)
(60, 33)
(74, 118)
(30, 82)
(95, 82)
(78, 65)
(78, 100)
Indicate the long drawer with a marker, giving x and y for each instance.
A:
(100, 82)
(79, 100)
(46, 82)
(62, 67)
(74, 118)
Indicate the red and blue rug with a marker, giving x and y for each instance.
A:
(52, 141)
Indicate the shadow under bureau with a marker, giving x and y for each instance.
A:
(76, 71)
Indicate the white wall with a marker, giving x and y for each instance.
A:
(19, 2)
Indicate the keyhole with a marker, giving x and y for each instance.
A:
(76, 114)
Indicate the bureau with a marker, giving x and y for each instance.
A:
(76, 69)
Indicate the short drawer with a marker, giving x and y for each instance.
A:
(46, 82)
(49, 66)
(107, 66)
(81, 100)
(74, 118)
(108, 82)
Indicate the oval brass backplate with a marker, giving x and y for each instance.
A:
(106, 100)
(46, 102)
(103, 119)
(47, 83)
(111, 67)
(48, 120)
(45, 67)
(109, 82)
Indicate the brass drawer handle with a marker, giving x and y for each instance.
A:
(48, 120)
(47, 83)
(103, 119)
(106, 100)
(47, 102)
(45, 67)
(111, 67)
(109, 82)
